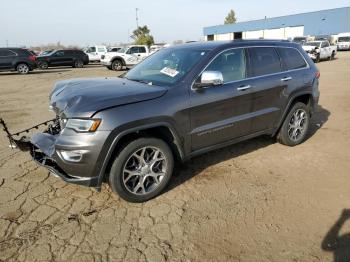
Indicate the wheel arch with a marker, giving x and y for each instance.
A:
(305, 98)
(118, 58)
(161, 130)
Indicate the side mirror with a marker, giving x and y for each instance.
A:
(209, 78)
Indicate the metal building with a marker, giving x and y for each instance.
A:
(324, 22)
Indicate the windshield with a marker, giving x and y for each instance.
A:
(316, 44)
(344, 39)
(123, 49)
(166, 66)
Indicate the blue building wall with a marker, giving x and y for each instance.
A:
(332, 21)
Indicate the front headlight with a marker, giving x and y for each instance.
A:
(83, 125)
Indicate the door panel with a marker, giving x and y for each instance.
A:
(221, 113)
(267, 86)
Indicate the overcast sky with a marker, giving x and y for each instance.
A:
(86, 22)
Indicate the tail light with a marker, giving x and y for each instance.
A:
(32, 58)
(318, 74)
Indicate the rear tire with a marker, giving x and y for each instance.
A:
(117, 65)
(295, 126)
(78, 64)
(332, 56)
(22, 68)
(142, 170)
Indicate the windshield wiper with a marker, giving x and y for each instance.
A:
(141, 81)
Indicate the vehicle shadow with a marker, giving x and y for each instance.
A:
(195, 166)
(338, 243)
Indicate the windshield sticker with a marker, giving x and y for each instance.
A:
(169, 71)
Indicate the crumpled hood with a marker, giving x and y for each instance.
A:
(84, 97)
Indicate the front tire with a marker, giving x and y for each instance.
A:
(317, 60)
(22, 68)
(142, 169)
(295, 126)
(117, 65)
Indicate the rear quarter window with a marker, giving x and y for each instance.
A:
(263, 61)
(292, 58)
(6, 53)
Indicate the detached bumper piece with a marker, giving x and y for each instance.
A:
(51, 165)
(42, 149)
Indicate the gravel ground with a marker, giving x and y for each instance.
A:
(254, 201)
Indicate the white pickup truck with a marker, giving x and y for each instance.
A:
(319, 50)
(125, 57)
(95, 52)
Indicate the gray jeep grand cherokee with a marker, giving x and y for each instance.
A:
(180, 102)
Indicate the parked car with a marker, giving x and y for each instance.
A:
(95, 52)
(17, 59)
(125, 57)
(332, 39)
(46, 52)
(113, 49)
(344, 41)
(319, 50)
(180, 102)
(74, 58)
(302, 39)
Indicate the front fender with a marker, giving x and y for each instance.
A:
(118, 133)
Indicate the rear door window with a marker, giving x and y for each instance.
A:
(292, 58)
(231, 63)
(142, 49)
(263, 61)
(6, 53)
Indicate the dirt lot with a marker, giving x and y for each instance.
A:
(254, 201)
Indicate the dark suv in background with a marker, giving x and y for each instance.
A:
(17, 59)
(74, 58)
(180, 102)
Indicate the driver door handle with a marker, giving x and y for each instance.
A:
(242, 88)
(284, 79)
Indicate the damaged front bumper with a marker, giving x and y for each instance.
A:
(68, 155)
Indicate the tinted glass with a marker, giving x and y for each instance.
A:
(59, 53)
(142, 49)
(101, 49)
(6, 53)
(263, 61)
(231, 64)
(325, 44)
(134, 50)
(292, 58)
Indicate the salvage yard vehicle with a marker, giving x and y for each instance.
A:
(125, 57)
(302, 39)
(319, 50)
(95, 52)
(113, 49)
(344, 41)
(17, 59)
(180, 102)
(74, 58)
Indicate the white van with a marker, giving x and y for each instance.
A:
(95, 52)
(344, 41)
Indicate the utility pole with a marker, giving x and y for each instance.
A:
(137, 18)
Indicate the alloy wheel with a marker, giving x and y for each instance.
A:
(23, 69)
(297, 125)
(144, 170)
